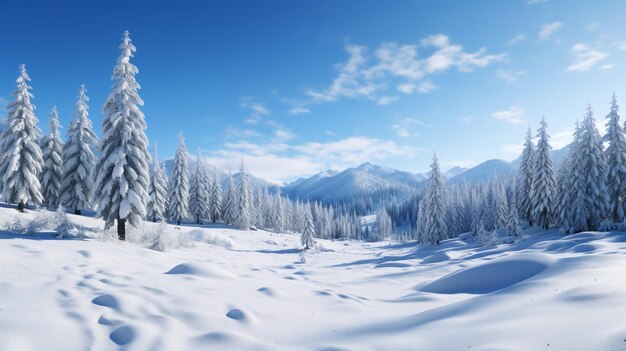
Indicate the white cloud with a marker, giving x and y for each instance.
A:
(257, 111)
(509, 76)
(426, 87)
(585, 58)
(386, 100)
(399, 66)
(515, 40)
(512, 115)
(607, 66)
(407, 88)
(403, 126)
(548, 29)
(298, 110)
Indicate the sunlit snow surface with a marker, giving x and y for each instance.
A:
(237, 290)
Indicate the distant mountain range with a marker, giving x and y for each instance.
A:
(375, 181)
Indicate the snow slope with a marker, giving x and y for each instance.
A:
(237, 290)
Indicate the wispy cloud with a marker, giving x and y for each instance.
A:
(386, 100)
(426, 87)
(585, 58)
(548, 29)
(257, 110)
(515, 40)
(512, 115)
(404, 126)
(299, 110)
(508, 75)
(369, 76)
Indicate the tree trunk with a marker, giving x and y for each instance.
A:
(77, 211)
(197, 219)
(121, 228)
(20, 206)
(178, 222)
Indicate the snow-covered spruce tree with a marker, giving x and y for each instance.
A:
(309, 230)
(277, 214)
(157, 191)
(216, 199)
(513, 226)
(21, 161)
(565, 190)
(78, 158)
(525, 179)
(385, 226)
(544, 182)
(52, 147)
(616, 163)
(590, 177)
(435, 228)
(179, 185)
(228, 210)
(243, 200)
(198, 193)
(122, 174)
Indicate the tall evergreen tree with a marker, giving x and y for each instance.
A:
(525, 179)
(122, 176)
(229, 205)
(243, 200)
(513, 226)
(309, 230)
(21, 161)
(52, 147)
(216, 198)
(616, 163)
(78, 158)
(590, 175)
(434, 208)
(157, 191)
(544, 182)
(198, 193)
(179, 185)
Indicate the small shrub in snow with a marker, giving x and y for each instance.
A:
(487, 238)
(608, 225)
(16, 227)
(64, 227)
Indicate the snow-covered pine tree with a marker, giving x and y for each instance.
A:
(157, 203)
(78, 158)
(228, 209)
(216, 198)
(198, 193)
(122, 174)
(544, 182)
(385, 226)
(525, 179)
(243, 200)
(21, 161)
(513, 226)
(52, 147)
(277, 214)
(179, 185)
(309, 230)
(435, 228)
(616, 163)
(590, 175)
(565, 192)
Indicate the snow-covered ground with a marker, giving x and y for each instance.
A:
(238, 290)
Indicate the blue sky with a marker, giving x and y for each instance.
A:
(296, 87)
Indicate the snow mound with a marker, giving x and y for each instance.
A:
(201, 270)
(489, 277)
